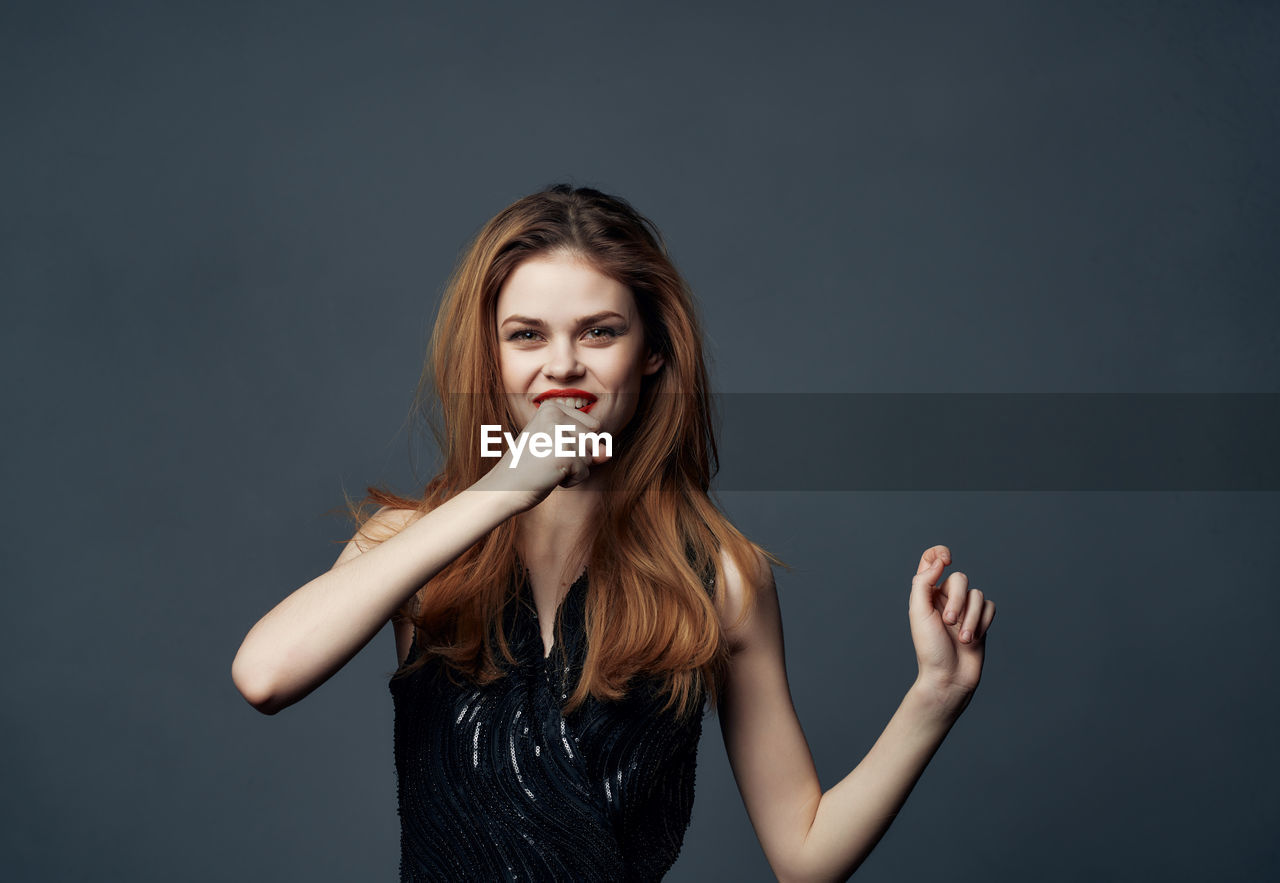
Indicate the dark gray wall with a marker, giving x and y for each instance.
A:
(225, 229)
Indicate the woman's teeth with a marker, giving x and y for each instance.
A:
(577, 403)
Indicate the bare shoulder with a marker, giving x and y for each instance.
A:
(749, 599)
(388, 521)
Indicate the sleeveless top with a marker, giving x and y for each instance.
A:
(494, 783)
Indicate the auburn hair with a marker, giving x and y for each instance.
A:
(648, 609)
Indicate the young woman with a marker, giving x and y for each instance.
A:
(563, 615)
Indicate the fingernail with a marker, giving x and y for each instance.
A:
(951, 617)
(966, 635)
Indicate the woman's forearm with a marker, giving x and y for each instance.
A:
(854, 814)
(315, 631)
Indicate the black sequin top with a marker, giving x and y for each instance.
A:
(495, 784)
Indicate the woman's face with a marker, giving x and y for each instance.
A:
(565, 330)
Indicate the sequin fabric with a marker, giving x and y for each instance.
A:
(495, 784)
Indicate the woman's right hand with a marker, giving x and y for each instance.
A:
(530, 479)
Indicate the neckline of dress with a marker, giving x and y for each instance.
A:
(526, 594)
(522, 575)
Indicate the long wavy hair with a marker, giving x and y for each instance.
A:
(648, 608)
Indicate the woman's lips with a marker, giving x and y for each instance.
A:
(577, 398)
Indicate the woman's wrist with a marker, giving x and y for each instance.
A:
(942, 699)
(506, 500)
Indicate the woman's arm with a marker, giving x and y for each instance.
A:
(306, 638)
(807, 834)
(315, 631)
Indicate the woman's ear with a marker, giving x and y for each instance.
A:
(652, 362)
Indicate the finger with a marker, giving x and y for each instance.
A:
(580, 417)
(922, 589)
(558, 410)
(956, 590)
(988, 614)
(576, 473)
(549, 412)
(934, 553)
(972, 616)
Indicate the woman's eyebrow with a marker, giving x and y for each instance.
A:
(585, 320)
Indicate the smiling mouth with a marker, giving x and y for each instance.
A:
(580, 399)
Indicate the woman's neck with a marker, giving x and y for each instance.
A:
(555, 533)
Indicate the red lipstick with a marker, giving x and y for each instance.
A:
(568, 394)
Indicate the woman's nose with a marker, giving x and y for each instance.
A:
(562, 361)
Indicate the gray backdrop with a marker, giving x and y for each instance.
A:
(225, 230)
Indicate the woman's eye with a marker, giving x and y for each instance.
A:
(525, 335)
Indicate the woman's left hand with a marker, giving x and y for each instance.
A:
(949, 623)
